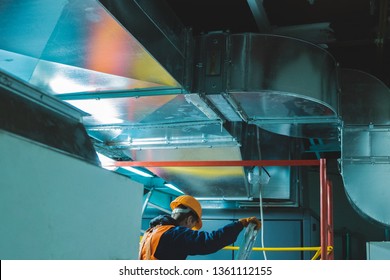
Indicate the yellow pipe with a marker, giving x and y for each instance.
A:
(277, 249)
(316, 255)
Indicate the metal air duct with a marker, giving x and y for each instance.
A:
(281, 84)
(365, 154)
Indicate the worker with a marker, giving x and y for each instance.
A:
(176, 236)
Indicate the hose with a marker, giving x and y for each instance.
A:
(262, 223)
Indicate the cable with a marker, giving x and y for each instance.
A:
(262, 222)
(260, 189)
(255, 178)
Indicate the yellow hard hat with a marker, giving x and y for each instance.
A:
(190, 202)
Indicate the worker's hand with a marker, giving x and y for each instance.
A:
(245, 222)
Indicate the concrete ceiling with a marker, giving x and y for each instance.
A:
(352, 29)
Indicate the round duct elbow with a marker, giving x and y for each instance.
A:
(365, 157)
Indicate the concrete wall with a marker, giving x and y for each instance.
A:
(55, 206)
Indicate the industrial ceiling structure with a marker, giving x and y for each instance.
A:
(215, 80)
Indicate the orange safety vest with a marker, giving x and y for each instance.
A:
(150, 240)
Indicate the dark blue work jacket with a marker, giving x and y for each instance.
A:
(178, 242)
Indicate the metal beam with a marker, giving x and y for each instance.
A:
(219, 163)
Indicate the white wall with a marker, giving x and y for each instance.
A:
(54, 206)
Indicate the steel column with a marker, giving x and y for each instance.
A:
(329, 198)
(323, 210)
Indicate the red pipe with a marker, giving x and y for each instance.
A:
(323, 210)
(330, 218)
(218, 163)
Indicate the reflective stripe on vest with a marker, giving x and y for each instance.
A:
(150, 240)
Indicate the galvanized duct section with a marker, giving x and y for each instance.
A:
(281, 84)
(77, 46)
(365, 154)
(150, 94)
(32, 114)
